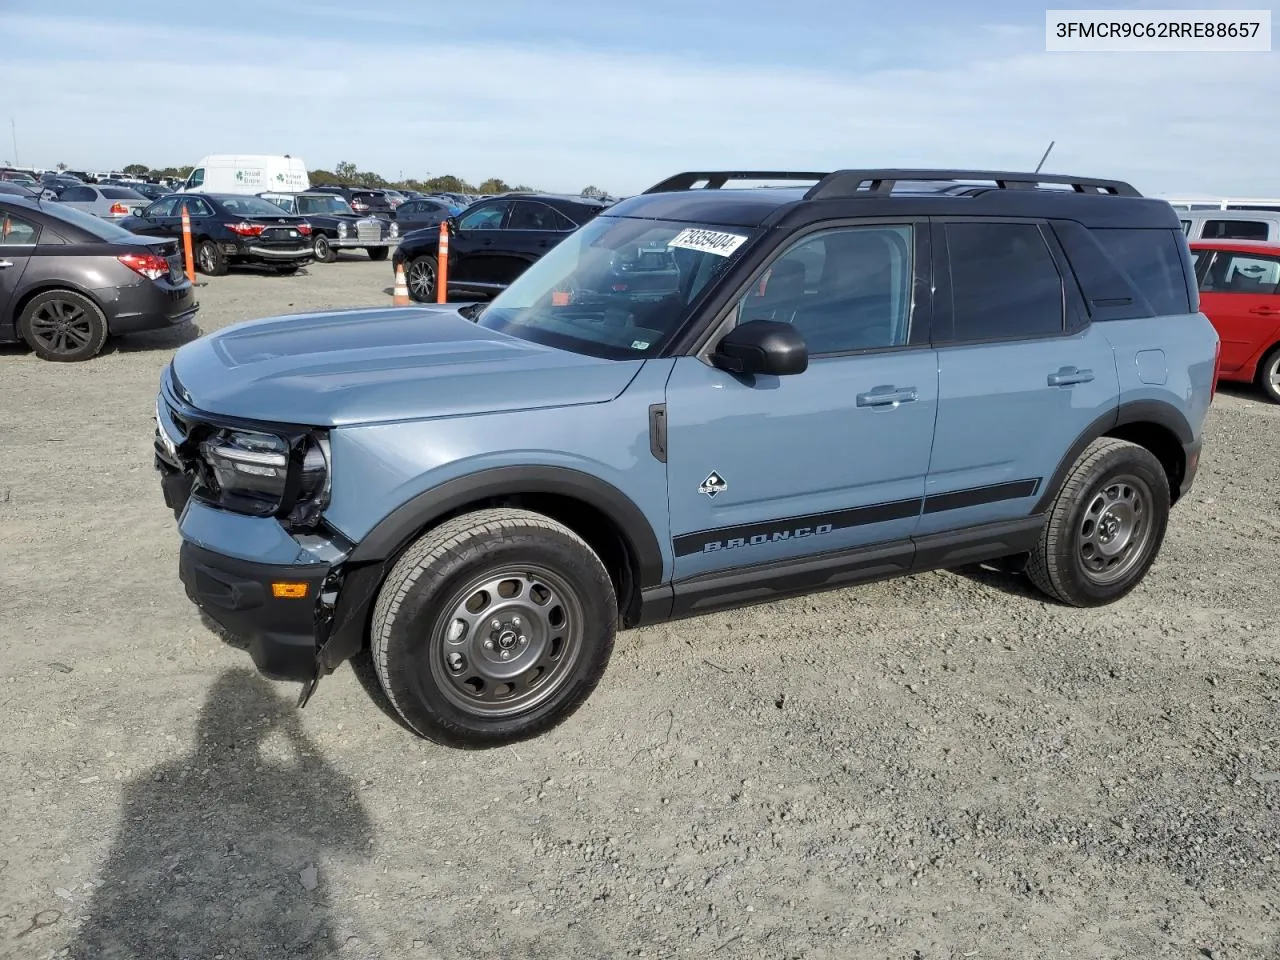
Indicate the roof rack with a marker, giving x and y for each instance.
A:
(852, 183)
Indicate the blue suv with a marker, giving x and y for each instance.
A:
(706, 397)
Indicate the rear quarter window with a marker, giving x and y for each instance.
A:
(1153, 261)
(1235, 230)
(121, 193)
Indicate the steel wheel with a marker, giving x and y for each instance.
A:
(1115, 528)
(62, 327)
(422, 280)
(510, 639)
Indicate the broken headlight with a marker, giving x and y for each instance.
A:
(263, 475)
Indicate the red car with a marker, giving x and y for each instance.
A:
(1240, 294)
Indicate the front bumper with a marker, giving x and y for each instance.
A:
(237, 594)
(348, 242)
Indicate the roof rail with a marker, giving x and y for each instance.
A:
(848, 183)
(715, 179)
(851, 183)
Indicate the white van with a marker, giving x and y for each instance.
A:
(252, 173)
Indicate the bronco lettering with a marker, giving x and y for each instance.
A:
(711, 546)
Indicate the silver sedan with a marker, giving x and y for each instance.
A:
(108, 202)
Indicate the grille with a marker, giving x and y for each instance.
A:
(369, 230)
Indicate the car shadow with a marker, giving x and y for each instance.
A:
(999, 577)
(169, 338)
(224, 851)
(1243, 391)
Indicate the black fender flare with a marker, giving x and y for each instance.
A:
(1137, 411)
(394, 531)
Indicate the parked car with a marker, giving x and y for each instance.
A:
(109, 202)
(151, 191)
(428, 212)
(1240, 293)
(492, 243)
(335, 226)
(12, 188)
(394, 197)
(801, 389)
(69, 280)
(1231, 225)
(363, 200)
(11, 175)
(229, 229)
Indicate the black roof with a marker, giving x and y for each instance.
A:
(884, 192)
(552, 199)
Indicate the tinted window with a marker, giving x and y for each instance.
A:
(79, 195)
(1153, 261)
(197, 207)
(1235, 230)
(162, 208)
(488, 217)
(1186, 227)
(248, 206)
(121, 193)
(528, 215)
(1242, 273)
(1004, 283)
(287, 204)
(843, 290)
(15, 231)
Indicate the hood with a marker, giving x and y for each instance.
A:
(369, 365)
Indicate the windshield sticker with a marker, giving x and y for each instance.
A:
(708, 241)
(639, 344)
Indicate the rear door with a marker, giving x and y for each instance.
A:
(18, 237)
(1238, 293)
(1021, 372)
(532, 228)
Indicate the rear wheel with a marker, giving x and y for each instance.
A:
(376, 253)
(323, 250)
(210, 259)
(1105, 526)
(421, 278)
(493, 627)
(62, 325)
(1269, 375)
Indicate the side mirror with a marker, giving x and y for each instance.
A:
(451, 224)
(762, 346)
(138, 212)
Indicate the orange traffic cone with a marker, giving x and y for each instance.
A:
(400, 296)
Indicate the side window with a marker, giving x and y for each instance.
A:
(196, 178)
(1235, 230)
(197, 207)
(79, 195)
(488, 217)
(16, 232)
(1004, 282)
(843, 290)
(530, 215)
(1153, 261)
(162, 208)
(413, 206)
(1242, 273)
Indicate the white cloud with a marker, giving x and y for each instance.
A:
(561, 117)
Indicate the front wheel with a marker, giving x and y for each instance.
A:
(376, 253)
(421, 278)
(1105, 526)
(493, 627)
(1269, 375)
(323, 250)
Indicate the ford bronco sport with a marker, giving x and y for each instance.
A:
(704, 398)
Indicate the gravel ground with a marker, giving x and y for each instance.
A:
(937, 767)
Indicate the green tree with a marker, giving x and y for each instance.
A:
(346, 171)
(593, 193)
(136, 170)
(447, 184)
(494, 185)
(323, 178)
(62, 166)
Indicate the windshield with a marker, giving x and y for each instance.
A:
(250, 207)
(94, 226)
(616, 288)
(310, 206)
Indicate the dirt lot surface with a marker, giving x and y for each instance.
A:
(939, 767)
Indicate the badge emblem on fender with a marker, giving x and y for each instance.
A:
(713, 485)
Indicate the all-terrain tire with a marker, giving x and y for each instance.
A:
(1117, 492)
(495, 598)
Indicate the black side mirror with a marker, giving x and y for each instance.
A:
(762, 346)
(452, 225)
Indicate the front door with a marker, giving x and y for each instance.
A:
(1238, 293)
(18, 237)
(1018, 382)
(776, 468)
(161, 219)
(476, 245)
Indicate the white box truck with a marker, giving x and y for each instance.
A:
(247, 173)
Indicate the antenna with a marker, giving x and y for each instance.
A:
(1046, 155)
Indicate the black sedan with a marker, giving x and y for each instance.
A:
(69, 280)
(227, 229)
(492, 243)
(422, 212)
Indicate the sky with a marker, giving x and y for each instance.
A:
(560, 94)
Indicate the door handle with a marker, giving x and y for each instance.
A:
(1066, 376)
(5, 263)
(886, 396)
(1266, 311)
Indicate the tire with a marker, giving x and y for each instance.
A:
(323, 250)
(1269, 375)
(420, 275)
(210, 260)
(63, 326)
(560, 620)
(1105, 527)
(376, 253)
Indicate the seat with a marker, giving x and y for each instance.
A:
(853, 308)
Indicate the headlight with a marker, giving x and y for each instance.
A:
(264, 475)
(342, 229)
(395, 230)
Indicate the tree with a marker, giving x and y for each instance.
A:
(493, 185)
(323, 178)
(136, 170)
(62, 166)
(594, 193)
(447, 184)
(346, 171)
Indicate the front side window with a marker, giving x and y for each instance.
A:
(1242, 273)
(162, 208)
(196, 178)
(616, 288)
(1004, 282)
(15, 231)
(488, 217)
(1235, 230)
(843, 290)
(198, 208)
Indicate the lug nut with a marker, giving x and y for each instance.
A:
(488, 644)
(515, 621)
(496, 624)
(506, 654)
(524, 639)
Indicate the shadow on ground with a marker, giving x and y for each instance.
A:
(224, 851)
